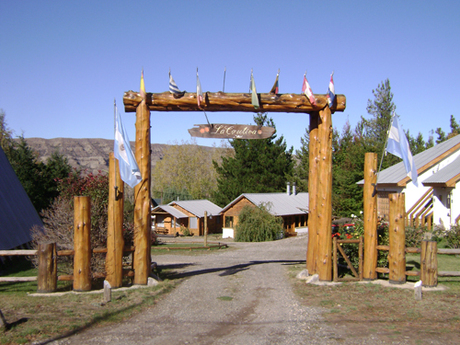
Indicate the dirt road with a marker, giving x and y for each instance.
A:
(236, 296)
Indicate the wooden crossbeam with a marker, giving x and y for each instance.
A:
(220, 101)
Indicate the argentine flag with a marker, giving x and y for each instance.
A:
(129, 170)
(399, 146)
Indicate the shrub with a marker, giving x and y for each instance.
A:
(452, 236)
(256, 224)
(58, 218)
(415, 235)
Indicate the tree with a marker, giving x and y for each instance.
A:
(454, 127)
(39, 179)
(257, 224)
(258, 166)
(441, 135)
(186, 171)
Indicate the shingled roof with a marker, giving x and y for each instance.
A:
(17, 214)
(281, 204)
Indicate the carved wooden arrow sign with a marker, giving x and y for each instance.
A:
(227, 131)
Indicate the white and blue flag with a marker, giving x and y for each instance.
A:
(331, 92)
(399, 146)
(129, 170)
(172, 85)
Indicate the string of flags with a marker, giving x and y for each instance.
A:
(306, 89)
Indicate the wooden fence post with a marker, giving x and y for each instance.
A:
(205, 228)
(397, 252)
(47, 267)
(312, 192)
(370, 216)
(429, 263)
(142, 202)
(324, 196)
(115, 242)
(82, 244)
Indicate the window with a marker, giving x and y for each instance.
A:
(192, 223)
(229, 221)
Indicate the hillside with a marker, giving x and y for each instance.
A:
(90, 154)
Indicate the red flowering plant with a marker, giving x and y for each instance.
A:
(58, 218)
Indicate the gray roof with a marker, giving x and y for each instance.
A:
(17, 214)
(198, 207)
(281, 204)
(171, 210)
(445, 174)
(397, 172)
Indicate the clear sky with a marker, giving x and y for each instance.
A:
(62, 63)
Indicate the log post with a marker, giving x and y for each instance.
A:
(335, 270)
(82, 244)
(142, 201)
(312, 194)
(115, 242)
(429, 263)
(47, 268)
(370, 216)
(397, 252)
(324, 196)
(205, 228)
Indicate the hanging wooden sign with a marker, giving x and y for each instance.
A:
(227, 131)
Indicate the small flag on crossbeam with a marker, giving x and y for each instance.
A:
(307, 90)
(252, 89)
(399, 146)
(275, 88)
(142, 87)
(129, 170)
(199, 93)
(173, 86)
(331, 92)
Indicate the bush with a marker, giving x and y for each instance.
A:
(451, 236)
(58, 218)
(256, 224)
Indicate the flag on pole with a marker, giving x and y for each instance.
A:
(129, 170)
(275, 88)
(172, 85)
(142, 88)
(307, 90)
(252, 89)
(399, 146)
(199, 93)
(331, 92)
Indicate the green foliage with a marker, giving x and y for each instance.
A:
(258, 166)
(414, 236)
(452, 236)
(39, 179)
(186, 172)
(256, 224)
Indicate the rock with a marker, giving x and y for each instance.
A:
(303, 275)
(312, 279)
(152, 282)
(3, 323)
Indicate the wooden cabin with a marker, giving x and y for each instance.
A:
(179, 217)
(291, 207)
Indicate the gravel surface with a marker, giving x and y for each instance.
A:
(236, 296)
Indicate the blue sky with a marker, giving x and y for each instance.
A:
(62, 63)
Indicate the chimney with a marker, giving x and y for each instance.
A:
(288, 189)
(293, 188)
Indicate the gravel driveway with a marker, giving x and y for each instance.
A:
(236, 296)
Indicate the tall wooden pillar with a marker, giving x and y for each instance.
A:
(397, 239)
(82, 244)
(115, 242)
(142, 199)
(324, 197)
(312, 194)
(370, 217)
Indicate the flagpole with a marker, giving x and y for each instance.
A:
(114, 133)
(225, 72)
(384, 149)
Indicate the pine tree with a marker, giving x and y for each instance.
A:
(258, 166)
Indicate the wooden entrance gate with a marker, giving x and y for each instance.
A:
(336, 246)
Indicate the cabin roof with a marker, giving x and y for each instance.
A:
(280, 204)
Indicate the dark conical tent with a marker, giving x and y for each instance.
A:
(17, 214)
